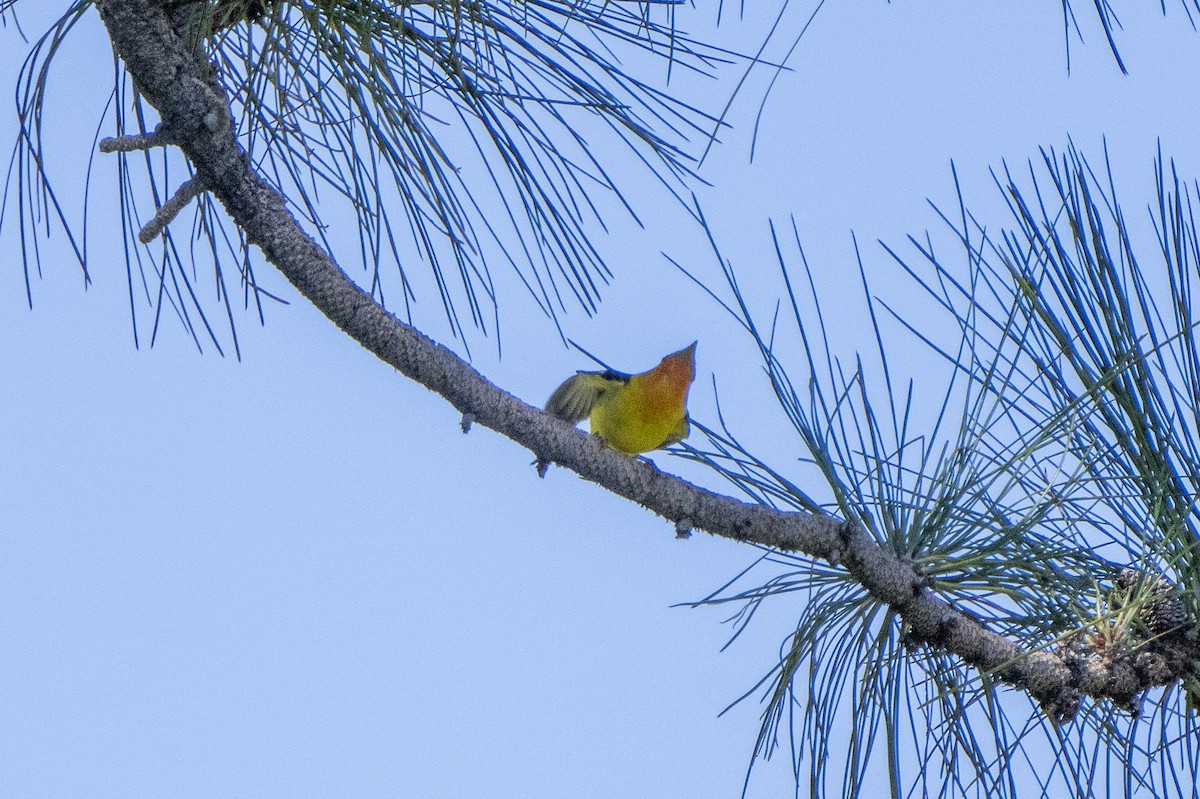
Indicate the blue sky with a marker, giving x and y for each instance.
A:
(293, 575)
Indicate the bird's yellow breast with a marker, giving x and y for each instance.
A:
(643, 414)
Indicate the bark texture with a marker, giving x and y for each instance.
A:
(195, 116)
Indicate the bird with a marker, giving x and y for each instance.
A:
(631, 413)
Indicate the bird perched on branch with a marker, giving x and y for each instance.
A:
(631, 413)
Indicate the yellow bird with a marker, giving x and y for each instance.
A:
(631, 413)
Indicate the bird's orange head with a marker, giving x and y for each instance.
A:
(679, 368)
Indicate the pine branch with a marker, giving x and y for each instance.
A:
(195, 111)
(187, 191)
(135, 143)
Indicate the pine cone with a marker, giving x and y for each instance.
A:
(231, 12)
(1164, 612)
(226, 13)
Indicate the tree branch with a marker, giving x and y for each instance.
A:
(195, 109)
(136, 143)
(187, 191)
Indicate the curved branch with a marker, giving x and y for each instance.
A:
(195, 114)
